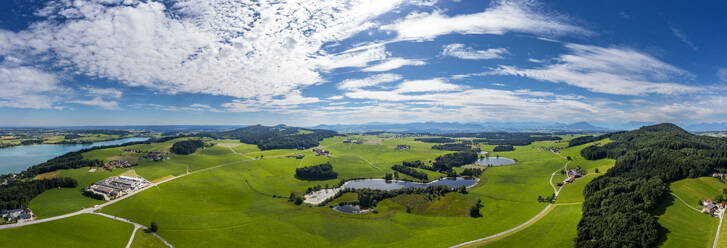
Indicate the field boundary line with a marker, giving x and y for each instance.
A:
(685, 203)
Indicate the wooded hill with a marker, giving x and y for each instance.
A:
(619, 206)
(277, 137)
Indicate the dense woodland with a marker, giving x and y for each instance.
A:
(447, 161)
(71, 160)
(503, 138)
(17, 194)
(370, 197)
(453, 147)
(186, 147)
(436, 140)
(417, 164)
(503, 148)
(277, 137)
(619, 206)
(316, 172)
(587, 139)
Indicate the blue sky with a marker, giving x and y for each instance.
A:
(127, 62)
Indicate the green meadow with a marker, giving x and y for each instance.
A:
(686, 226)
(244, 199)
(85, 230)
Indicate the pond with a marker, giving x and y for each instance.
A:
(349, 209)
(382, 184)
(495, 161)
(18, 158)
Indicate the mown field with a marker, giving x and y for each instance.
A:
(85, 230)
(244, 201)
(686, 226)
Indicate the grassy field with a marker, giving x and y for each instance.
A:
(144, 239)
(687, 227)
(557, 229)
(233, 205)
(80, 231)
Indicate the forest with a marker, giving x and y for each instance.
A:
(316, 172)
(453, 147)
(186, 147)
(17, 194)
(618, 207)
(447, 161)
(435, 140)
(277, 137)
(370, 197)
(503, 148)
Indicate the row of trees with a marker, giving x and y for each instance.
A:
(370, 197)
(618, 207)
(453, 147)
(503, 148)
(411, 172)
(448, 161)
(436, 140)
(316, 172)
(17, 194)
(472, 172)
(417, 164)
(186, 147)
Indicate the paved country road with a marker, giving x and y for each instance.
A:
(530, 221)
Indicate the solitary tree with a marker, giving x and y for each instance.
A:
(153, 227)
(475, 212)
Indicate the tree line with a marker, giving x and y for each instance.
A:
(503, 148)
(411, 172)
(316, 172)
(17, 194)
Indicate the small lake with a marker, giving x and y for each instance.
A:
(495, 161)
(349, 209)
(382, 184)
(18, 158)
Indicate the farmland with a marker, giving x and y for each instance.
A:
(237, 194)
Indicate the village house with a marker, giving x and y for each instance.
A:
(321, 152)
(156, 156)
(297, 156)
(17, 215)
(353, 141)
(572, 175)
(402, 147)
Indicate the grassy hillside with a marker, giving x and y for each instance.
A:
(86, 230)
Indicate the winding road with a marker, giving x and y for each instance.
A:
(537, 217)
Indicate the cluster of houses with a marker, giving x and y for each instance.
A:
(711, 208)
(352, 141)
(17, 215)
(156, 156)
(551, 149)
(572, 175)
(297, 156)
(118, 164)
(113, 187)
(402, 147)
(321, 152)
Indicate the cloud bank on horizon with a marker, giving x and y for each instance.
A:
(311, 62)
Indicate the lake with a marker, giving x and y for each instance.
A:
(382, 184)
(18, 158)
(495, 161)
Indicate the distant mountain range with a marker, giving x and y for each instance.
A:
(455, 127)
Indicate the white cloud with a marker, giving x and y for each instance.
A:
(99, 102)
(683, 37)
(722, 74)
(393, 63)
(501, 17)
(107, 92)
(335, 98)
(27, 87)
(191, 108)
(374, 80)
(431, 85)
(235, 48)
(463, 52)
(621, 71)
